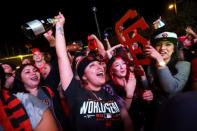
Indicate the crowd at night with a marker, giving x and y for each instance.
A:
(95, 65)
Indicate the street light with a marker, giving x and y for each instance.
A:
(173, 6)
(94, 10)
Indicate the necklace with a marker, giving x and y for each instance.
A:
(94, 94)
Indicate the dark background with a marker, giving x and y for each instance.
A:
(79, 18)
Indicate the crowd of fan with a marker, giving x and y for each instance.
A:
(102, 89)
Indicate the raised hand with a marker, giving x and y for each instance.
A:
(60, 19)
(130, 85)
(152, 53)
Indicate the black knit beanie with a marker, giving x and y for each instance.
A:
(83, 64)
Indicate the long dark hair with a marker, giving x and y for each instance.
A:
(174, 59)
(2, 77)
(18, 84)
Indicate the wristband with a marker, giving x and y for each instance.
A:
(128, 97)
(161, 64)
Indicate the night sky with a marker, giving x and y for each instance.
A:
(78, 13)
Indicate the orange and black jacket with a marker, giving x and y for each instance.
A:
(13, 114)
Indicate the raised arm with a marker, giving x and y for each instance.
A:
(100, 46)
(110, 52)
(129, 87)
(170, 83)
(107, 42)
(65, 69)
(189, 30)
